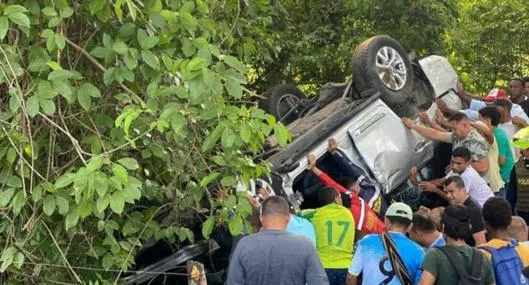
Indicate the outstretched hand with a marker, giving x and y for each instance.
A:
(428, 187)
(311, 161)
(333, 146)
(408, 122)
(460, 89)
(425, 118)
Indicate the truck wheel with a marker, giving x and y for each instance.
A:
(382, 64)
(282, 98)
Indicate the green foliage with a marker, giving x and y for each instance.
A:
(312, 42)
(122, 117)
(489, 46)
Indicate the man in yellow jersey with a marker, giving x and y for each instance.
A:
(335, 234)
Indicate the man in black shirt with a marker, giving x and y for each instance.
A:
(454, 187)
(518, 95)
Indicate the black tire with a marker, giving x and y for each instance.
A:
(276, 105)
(366, 76)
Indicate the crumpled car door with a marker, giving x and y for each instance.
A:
(388, 148)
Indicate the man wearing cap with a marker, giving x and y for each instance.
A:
(518, 114)
(376, 263)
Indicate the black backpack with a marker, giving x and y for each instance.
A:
(466, 278)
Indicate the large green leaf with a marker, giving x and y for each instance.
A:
(4, 27)
(60, 75)
(120, 47)
(235, 225)
(33, 106)
(129, 163)
(234, 62)
(120, 173)
(207, 227)
(233, 88)
(48, 106)
(150, 59)
(146, 41)
(62, 205)
(71, 220)
(5, 196)
(48, 205)
(20, 19)
(117, 203)
(228, 137)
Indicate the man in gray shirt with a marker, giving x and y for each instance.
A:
(274, 256)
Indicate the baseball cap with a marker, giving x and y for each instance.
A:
(494, 94)
(400, 210)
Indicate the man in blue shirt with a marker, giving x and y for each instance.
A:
(372, 260)
(273, 256)
(301, 226)
(425, 233)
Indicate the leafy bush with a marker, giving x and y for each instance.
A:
(117, 117)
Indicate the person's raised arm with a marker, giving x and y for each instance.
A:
(428, 122)
(519, 121)
(465, 96)
(428, 132)
(343, 162)
(441, 105)
(323, 177)
(484, 130)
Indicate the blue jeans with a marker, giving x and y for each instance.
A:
(336, 276)
(502, 193)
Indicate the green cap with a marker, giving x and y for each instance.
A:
(400, 210)
(521, 139)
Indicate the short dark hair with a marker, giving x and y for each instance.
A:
(346, 182)
(525, 79)
(395, 220)
(504, 102)
(327, 195)
(423, 223)
(275, 205)
(518, 79)
(462, 152)
(457, 117)
(491, 113)
(455, 179)
(497, 213)
(456, 222)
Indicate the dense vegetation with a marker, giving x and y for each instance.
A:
(121, 118)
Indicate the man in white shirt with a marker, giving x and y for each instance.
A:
(475, 185)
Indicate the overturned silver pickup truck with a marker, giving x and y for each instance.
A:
(364, 116)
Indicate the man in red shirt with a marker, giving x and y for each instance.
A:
(366, 219)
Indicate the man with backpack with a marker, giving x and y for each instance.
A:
(448, 265)
(508, 256)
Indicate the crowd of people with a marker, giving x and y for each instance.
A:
(471, 226)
